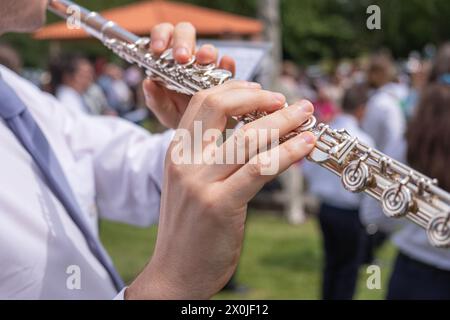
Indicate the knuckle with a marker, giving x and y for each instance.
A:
(191, 187)
(237, 83)
(285, 117)
(213, 102)
(204, 199)
(254, 169)
(291, 152)
(198, 98)
(207, 203)
(162, 29)
(175, 171)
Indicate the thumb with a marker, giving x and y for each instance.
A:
(154, 95)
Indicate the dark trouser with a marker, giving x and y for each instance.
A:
(344, 240)
(373, 243)
(414, 280)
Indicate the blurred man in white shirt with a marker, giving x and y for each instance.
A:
(384, 119)
(72, 75)
(113, 169)
(344, 238)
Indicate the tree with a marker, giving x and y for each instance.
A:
(269, 13)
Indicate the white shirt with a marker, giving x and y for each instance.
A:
(384, 120)
(326, 185)
(71, 99)
(115, 170)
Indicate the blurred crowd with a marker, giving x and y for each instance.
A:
(90, 86)
(326, 88)
(403, 110)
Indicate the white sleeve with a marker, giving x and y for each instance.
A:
(128, 165)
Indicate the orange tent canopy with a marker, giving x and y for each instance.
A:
(140, 17)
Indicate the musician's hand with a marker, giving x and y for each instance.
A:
(204, 206)
(167, 105)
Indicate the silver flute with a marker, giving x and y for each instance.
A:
(402, 191)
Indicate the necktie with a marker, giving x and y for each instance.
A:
(20, 121)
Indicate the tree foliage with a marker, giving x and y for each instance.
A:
(318, 29)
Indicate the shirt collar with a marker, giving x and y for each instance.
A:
(10, 103)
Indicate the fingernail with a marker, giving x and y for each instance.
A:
(306, 107)
(279, 97)
(181, 51)
(308, 138)
(158, 45)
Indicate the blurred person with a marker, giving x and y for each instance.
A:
(336, 88)
(305, 89)
(421, 271)
(418, 71)
(287, 81)
(10, 58)
(118, 94)
(65, 169)
(72, 75)
(326, 109)
(441, 67)
(384, 120)
(344, 237)
(133, 77)
(96, 101)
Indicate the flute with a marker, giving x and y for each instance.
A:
(401, 190)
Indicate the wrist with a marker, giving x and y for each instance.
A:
(153, 284)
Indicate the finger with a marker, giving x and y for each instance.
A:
(156, 100)
(250, 178)
(183, 42)
(258, 135)
(207, 54)
(153, 93)
(161, 36)
(228, 63)
(285, 120)
(217, 107)
(198, 99)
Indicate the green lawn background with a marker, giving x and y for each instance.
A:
(279, 261)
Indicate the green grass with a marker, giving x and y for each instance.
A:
(279, 261)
